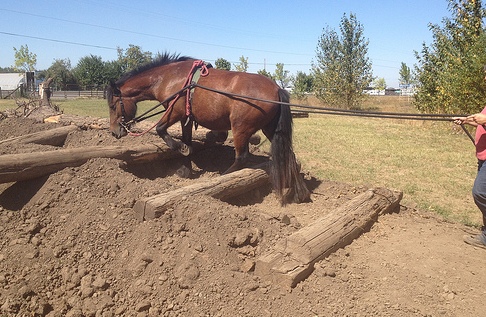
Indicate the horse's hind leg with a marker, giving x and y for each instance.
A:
(240, 141)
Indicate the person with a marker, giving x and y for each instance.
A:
(478, 120)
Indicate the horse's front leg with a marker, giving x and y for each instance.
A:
(186, 148)
(174, 145)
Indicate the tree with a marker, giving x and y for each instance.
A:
(133, 57)
(379, 83)
(90, 72)
(7, 69)
(449, 73)
(113, 70)
(61, 73)
(302, 85)
(342, 69)
(281, 76)
(24, 59)
(243, 65)
(405, 75)
(264, 72)
(222, 63)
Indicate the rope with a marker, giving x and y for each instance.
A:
(348, 112)
(309, 109)
(188, 85)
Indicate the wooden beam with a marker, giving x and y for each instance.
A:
(224, 186)
(55, 137)
(293, 258)
(25, 166)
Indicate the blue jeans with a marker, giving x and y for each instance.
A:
(479, 190)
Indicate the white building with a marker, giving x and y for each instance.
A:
(11, 81)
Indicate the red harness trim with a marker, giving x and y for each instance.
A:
(204, 72)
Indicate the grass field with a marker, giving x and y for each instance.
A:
(433, 163)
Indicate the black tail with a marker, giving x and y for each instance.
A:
(285, 172)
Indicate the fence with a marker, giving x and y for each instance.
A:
(73, 94)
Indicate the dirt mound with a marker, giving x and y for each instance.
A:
(70, 245)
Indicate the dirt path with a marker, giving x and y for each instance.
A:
(71, 246)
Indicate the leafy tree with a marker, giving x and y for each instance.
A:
(90, 72)
(222, 63)
(113, 70)
(24, 59)
(302, 85)
(264, 72)
(243, 65)
(7, 69)
(379, 83)
(61, 73)
(133, 57)
(281, 76)
(449, 73)
(342, 70)
(405, 75)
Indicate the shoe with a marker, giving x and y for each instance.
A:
(477, 240)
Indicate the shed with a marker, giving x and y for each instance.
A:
(11, 81)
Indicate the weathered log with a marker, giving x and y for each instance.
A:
(224, 186)
(20, 167)
(293, 258)
(55, 137)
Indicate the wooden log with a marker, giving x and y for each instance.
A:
(224, 186)
(21, 167)
(55, 137)
(293, 258)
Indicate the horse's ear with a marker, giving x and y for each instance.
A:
(114, 88)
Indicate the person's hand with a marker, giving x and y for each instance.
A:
(459, 120)
(477, 118)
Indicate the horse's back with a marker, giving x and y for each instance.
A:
(226, 107)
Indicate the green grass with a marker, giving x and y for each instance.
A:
(434, 167)
(430, 162)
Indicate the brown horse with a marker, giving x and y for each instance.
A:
(218, 103)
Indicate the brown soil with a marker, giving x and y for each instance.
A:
(70, 245)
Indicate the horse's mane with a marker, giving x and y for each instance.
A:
(163, 59)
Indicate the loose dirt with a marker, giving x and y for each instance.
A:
(70, 245)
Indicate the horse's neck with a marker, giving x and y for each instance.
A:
(139, 90)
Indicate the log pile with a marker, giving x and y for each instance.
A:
(290, 261)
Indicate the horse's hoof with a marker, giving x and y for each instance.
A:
(255, 139)
(183, 172)
(185, 149)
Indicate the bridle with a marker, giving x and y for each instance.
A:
(199, 68)
(125, 125)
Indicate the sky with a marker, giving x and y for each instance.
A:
(264, 32)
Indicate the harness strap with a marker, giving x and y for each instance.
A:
(198, 69)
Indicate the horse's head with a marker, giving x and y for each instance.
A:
(122, 111)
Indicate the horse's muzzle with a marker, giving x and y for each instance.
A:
(119, 132)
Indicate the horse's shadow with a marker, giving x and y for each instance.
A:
(216, 159)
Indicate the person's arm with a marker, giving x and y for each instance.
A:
(478, 118)
(471, 120)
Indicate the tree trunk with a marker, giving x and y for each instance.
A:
(294, 257)
(45, 92)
